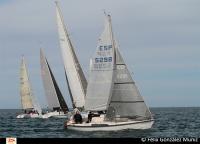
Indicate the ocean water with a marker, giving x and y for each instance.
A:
(169, 122)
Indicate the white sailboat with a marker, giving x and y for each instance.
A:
(56, 102)
(29, 104)
(112, 91)
(76, 81)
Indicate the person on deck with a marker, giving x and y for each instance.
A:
(90, 115)
(78, 117)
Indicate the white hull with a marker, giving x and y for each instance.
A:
(55, 114)
(29, 116)
(111, 126)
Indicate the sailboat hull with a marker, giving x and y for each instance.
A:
(111, 126)
(55, 114)
(28, 116)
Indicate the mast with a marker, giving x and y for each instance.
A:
(114, 51)
(112, 36)
(76, 80)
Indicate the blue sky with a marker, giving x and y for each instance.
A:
(159, 40)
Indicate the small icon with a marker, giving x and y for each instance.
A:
(11, 140)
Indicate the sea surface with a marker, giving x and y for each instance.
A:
(169, 122)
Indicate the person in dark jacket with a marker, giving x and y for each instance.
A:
(90, 115)
(78, 117)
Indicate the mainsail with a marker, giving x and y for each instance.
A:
(28, 101)
(100, 82)
(76, 80)
(52, 91)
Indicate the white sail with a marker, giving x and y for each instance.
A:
(76, 80)
(100, 81)
(27, 99)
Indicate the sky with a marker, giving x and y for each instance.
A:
(159, 41)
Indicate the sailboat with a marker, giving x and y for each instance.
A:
(31, 108)
(76, 81)
(111, 91)
(56, 102)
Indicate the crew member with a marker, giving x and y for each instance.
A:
(90, 115)
(78, 117)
